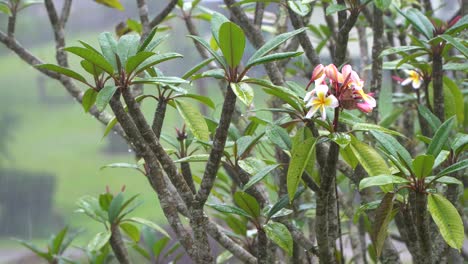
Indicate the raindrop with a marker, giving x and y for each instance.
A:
(115, 132)
(129, 150)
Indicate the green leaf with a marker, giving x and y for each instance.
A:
(279, 234)
(283, 93)
(194, 158)
(454, 42)
(91, 68)
(444, 180)
(215, 55)
(373, 127)
(382, 4)
(104, 96)
(247, 203)
(393, 50)
(194, 120)
(104, 200)
(451, 88)
(299, 8)
(459, 143)
(272, 44)
(196, 68)
(419, 21)
(369, 158)
(422, 165)
(447, 219)
(28, 3)
(454, 168)
(93, 57)
(460, 25)
(453, 66)
(108, 48)
(149, 224)
(244, 92)
(283, 202)
(120, 165)
(341, 139)
(43, 254)
(381, 180)
(4, 8)
(99, 240)
(383, 216)
(279, 136)
(274, 57)
(217, 20)
(245, 144)
(231, 43)
(159, 246)
(300, 156)
(164, 80)
(131, 230)
(110, 126)
(57, 241)
(127, 47)
(156, 42)
(156, 59)
(203, 99)
(224, 208)
(64, 71)
(89, 98)
(259, 176)
(115, 207)
(134, 61)
(440, 137)
(111, 3)
(91, 207)
(333, 8)
(433, 120)
(148, 39)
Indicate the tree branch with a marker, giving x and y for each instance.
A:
(144, 18)
(65, 12)
(164, 13)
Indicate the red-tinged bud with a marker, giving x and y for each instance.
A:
(332, 72)
(107, 189)
(364, 107)
(318, 72)
(397, 78)
(454, 21)
(123, 188)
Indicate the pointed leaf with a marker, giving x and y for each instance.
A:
(131, 230)
(273, 57)
(455, 43)
(381, 221)
(273, 43)
(112, 4)
(148, 223)
(454, 168)
(136, 60)
(159, 246)
(247, 203)
(194, 120)
(447, 219)
(196, 68)
(279, 234)
(259, 176)
(108, 46)
(231, 43)
(156, 59)
(34, 249)
(433, 120)
(419, 21)
(99, 241)
(279, 136)
(89, 98)
(215, 55)
(373, 127)
(148, 39)
(224, 208)
(244, 92)
(217, 20)
(104, 96)
(127, 47)
(440, 137)
(299, 8)
(115, 207)
(92, 57)
(422, 165)
(381, 180)
(369, 158)
(300, 156)
(64, 71)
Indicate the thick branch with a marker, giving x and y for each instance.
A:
(144, 19)
(118, 245)
(59, 33)
(164, 13)
(304, 39)
(219, 141)
(377, 47)
(259, 10)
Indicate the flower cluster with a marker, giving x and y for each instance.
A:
(346, 91)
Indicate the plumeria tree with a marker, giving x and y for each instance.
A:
(330, 163)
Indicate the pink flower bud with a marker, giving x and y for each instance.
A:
(332, 72)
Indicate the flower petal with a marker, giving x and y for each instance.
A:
(406, 81)
(416, 83)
